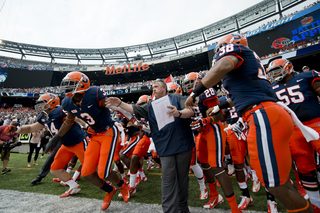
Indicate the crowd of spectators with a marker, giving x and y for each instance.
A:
(56, 89)
(23, 115)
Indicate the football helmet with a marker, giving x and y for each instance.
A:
(46, 101)
(75, 82)
(278, 69)
(143, 99)
(191, 81)
(175, 88)
(234, 38)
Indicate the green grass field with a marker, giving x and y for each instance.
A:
(147, 192)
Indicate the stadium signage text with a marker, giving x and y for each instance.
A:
(283, 21)
(124, 69)
(129, 90)
(311, 30)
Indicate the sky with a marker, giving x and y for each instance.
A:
(106, 23)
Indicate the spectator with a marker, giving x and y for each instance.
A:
(5, 137)
(34, 144)
(305, 69)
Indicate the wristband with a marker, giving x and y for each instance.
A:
(119, 103)
(18, 129)
(198, 90)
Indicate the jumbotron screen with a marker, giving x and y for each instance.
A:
(22, 78)
(290, 35)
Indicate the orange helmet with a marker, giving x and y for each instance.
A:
(175, 88)
(191, 81)
(278, 69)
(234, 38)
(143, 99)
(75, 82)
(46, 101)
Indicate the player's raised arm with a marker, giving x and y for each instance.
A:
(113, 101)
(214, 75)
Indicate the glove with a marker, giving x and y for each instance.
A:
(10, 128)
(201, 123)
(216, 109)
(52, 143)
(240, 129)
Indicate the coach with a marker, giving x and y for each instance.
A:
(174, 143)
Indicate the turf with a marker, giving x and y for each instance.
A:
(147, 192)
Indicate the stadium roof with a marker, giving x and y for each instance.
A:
(235, 23)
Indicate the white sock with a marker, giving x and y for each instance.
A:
(149, 160)
(133, 178)
(199, 175)
(242, 185)
(69, 169)
(76, 175)
(142, 174)
(245, 171)
(248, 169)
(254, 175)
(115, 168)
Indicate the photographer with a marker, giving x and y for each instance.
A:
(6, 145)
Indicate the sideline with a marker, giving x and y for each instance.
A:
(17, 202)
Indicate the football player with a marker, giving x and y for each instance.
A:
(211, 146)
(195, 167)
(300, 93)
(175, 88)
(271, 127)
(74, 142)
(89, 104)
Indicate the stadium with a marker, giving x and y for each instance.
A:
(294, 37)
(274, 28)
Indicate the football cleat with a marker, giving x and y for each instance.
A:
(272, 207)
(72, 191)
(151, 166)
(159, 166)
(245, 201)
(315, 208)
(132, 190)
(138, 180)
(302, 191)
(256, 186)
(107, 199)
(203, 194)
(56, 180)
(62, 183)
(124, 192)
(213, 201)
(231, 169)
(144, 179)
